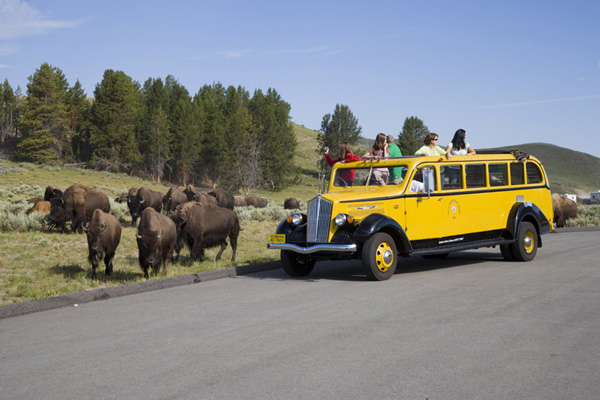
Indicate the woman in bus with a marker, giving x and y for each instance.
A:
(345, 176)
(431, 147)
(380, 149)
(458, 146)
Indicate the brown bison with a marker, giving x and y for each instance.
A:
(224, 198)
(257, 202)
(291, 204)
(239, 202)
(173, 198)
(124, 197)
(77, 204)
(103, 237)
(564, 208)
(190, 192)
(40, 206)
(143, 199)
(156, 237)
(202, 226)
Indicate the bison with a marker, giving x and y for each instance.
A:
(564, 208)
(239, 202)
(202, 226)
(156, 237)
(257, 202)
(77, 204)
(224, 198)
(143, 199)
(291, 204)
(190, 192)
(173, 198)
(40, 206)
(103, 237)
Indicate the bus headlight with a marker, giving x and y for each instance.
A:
(295, 219)
(342, 219)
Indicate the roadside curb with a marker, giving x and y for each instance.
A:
(71, 299)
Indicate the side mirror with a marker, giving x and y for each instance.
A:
(429, 180)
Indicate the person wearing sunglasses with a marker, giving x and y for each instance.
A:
(431, 147)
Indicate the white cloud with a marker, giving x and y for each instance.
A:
(532, 102)
(222, 54)
(19, 19)
(4, 66)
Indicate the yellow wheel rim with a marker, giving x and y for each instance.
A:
(528, 242)
(384, 257)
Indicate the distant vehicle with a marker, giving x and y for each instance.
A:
(590, 201)
(498, 199)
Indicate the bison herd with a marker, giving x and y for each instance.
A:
(192, 219)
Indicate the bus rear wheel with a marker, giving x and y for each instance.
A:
(525, 247)
(295, 264)
(379, 257)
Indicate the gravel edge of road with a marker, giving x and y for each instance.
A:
(72, 299)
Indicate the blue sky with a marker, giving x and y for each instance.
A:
(508, 72)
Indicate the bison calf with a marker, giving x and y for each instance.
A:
(156, 236)
(103, 236)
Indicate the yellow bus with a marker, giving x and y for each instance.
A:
(441, 206)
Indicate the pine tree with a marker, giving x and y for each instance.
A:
(9, 111)
(342, 126)
(79, 117)
(411, 137)
(274, 136)
(185, 142)
(114, 115)
(45, 121)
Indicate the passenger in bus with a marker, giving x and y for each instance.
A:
(380, 149)
(395, 172)
(458, 146)
(345, 176)
(431, 147)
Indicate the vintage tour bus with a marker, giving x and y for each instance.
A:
(484, 200)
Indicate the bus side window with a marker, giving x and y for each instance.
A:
(497, 174)
(516, 174)
(452, 177)
(534, 175)
(475, 175)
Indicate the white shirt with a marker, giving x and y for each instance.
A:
(462, 152)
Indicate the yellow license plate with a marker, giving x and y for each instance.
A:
(277, 238)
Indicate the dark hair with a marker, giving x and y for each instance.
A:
(430, 136)
(458, 141)
(380, 141)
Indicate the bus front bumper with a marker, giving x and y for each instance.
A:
(344, 248)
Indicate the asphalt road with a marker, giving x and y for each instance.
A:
(471, 326)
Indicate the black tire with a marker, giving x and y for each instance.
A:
(506, 252)
(525, 247)
(379, 257)
(438, 256)
(295, 264)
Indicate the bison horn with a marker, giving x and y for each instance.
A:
(138, 236)
(142, 201)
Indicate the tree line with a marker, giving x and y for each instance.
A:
(342, 126)
(222, 135)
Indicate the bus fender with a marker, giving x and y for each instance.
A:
(531, 212)
(374, 223)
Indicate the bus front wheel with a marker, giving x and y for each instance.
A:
(295, 264)
(379, 257)
(525, 247)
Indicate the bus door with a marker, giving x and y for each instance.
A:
(423, 207)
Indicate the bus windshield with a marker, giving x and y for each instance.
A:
(369, 175)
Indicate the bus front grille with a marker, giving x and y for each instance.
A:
(319, 217)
